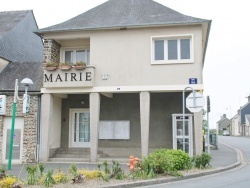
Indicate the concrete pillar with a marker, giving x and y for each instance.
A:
(94, 99)
(46, 123)
(198, 144)
(144, 116)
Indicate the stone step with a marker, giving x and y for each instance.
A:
(122, 161)
(69, 160)
(75, 151)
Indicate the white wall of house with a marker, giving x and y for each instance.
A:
(235, 126)
(126, 55)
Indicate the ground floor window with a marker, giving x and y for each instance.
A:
(17, 139)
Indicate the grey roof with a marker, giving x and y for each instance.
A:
(21, 70)
(124, 13)
(18, 43)
(9, 19)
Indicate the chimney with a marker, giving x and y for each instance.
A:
(224, 116)
(248, 98)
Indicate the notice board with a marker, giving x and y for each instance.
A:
(114, 129)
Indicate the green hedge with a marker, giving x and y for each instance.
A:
(167, 160)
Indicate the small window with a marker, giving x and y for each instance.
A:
(69, 56)
(172, 49)
(73, 56)
(185, 48)
(159, 50)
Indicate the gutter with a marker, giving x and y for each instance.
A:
(122, 27)
(38, 128)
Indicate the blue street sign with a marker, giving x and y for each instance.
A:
(192, 80)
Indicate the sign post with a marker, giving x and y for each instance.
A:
(194, 103)
(208, 131)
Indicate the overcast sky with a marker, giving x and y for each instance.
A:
(227, 63)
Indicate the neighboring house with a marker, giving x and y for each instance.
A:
(17, 41)
(242, 112)
(21, 55)
(128, 100)
(235, 128)
(247, 125)
(223, 124)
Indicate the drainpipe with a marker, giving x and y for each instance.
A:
(38, 128)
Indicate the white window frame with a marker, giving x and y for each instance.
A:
(172, 37)
(63, 49)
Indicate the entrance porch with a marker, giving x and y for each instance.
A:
(133, 123)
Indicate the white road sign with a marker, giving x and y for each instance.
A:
(197, 105)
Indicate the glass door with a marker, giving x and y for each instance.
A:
(180, 140)
(80, 128)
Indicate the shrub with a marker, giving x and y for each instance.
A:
(31, 178)
(202, 161)
(91, 174)
(49, 180)
(145, 173)
(73, 170)
(7, 182)
(167, 160)
(60, 177)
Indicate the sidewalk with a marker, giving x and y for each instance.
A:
(223, 159)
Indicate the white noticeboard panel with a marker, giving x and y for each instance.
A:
(114, 129)
(2, 104)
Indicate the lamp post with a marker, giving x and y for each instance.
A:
(26, 82)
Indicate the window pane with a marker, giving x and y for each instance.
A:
(88, 57)
(80, 55)
(159, 50)
(69, 56)
(172, 49)
(185, 48)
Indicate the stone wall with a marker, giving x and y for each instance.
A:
(51, 51)
(30, 127)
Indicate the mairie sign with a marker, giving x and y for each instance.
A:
(70, 78)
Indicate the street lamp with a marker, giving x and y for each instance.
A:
(26, 82)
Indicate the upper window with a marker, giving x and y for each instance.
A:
(172, 49)
(76, 55)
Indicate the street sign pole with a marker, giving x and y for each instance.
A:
(194, 103)
(208, 131)
(183, 114)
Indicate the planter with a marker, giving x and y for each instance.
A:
(79, 67)
(50, 68)
(65, 67)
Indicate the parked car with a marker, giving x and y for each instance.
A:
(225, 133)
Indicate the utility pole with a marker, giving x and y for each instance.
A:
(208, 131)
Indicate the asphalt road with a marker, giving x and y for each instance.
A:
(236, 178)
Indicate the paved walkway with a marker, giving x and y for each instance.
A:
(222, 159)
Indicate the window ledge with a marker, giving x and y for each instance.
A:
(172, 62)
